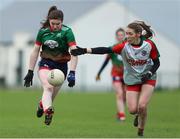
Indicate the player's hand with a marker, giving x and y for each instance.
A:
(98, 78)
(78, 51)
(71, 78)
(28, 79)
(146, 77)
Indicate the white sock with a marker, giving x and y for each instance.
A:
(47, 99)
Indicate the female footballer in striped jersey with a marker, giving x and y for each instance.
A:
(117, 75)
(141, 61)
(53, 42)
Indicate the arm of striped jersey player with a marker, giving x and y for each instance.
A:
(97, 50)
(155, 66)
(153, 70)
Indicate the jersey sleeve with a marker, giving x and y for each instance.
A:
(39, 38)
(117, 48)
(70, 38)
(154, 54)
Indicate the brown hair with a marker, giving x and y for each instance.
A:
(53, 13)
(120, 30)
(143, 28)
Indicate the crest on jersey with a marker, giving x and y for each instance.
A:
(58, 35)
(51, 43)
(119, 57)
(144, 53)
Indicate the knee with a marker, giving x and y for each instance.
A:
(132, 110)
(142, 109)
(119, 95)
(48, 88)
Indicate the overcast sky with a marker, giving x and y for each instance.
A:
(4, 3)
(163, 14)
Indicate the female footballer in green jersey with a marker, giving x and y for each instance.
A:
(141, 61)
(53, 43)
(117, 75)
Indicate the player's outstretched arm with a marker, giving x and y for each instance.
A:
(97, 50)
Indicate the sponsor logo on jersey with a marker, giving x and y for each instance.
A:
(45, 65)
(136, 62)
(51, 44)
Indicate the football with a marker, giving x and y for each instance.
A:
(55, 77)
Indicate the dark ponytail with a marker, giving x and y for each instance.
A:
(143, 28)
(53, 13)
(147, 32)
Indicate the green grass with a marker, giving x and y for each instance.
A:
(84, 115)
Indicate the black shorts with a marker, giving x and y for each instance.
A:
(49, 64)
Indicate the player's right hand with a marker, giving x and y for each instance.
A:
(71, 78)
(98, 78)
(28, 79)
(78, 51)
(146, 77)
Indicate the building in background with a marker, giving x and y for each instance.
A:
(94, 24)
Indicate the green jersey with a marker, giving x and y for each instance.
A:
(116, 59)
(55, 42)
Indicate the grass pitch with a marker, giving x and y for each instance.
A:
(85, 115)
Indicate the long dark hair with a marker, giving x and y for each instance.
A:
(143, 28)
(53, 13)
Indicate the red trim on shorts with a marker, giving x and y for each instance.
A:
(137, 87)
(40, 68)
(151, 82)
(120, 80)
(38, 43)
(71, 44)
(116, 81)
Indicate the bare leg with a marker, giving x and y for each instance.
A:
(146, 93)
(55, 92)
(118, 87)
(132, 101)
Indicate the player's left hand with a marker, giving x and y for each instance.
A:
(78, 51)
(71, 78)
(28, 79)
(98, 78)
(146, 77)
